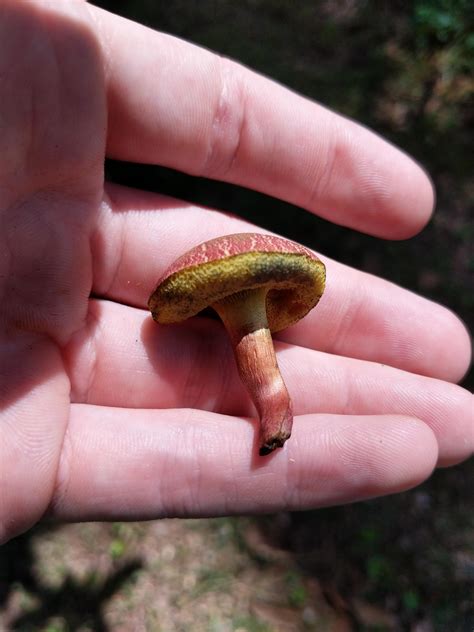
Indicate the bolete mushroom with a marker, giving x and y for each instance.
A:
(257, 284)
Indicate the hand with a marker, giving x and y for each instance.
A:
(106, 415)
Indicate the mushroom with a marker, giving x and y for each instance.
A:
(257, 284)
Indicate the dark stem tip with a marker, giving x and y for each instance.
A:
(273, 444)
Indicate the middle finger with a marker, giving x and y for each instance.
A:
(140, 234)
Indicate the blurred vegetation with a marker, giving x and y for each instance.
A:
(405, 69)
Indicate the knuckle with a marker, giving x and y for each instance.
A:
(228, 120)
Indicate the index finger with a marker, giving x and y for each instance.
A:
(175, 104)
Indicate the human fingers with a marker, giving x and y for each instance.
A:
(139, 235)
(138, 464)
(178, 105)
(124, 359)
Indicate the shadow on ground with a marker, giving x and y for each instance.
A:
(79, 603)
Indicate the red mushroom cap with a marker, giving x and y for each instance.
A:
(218, 268)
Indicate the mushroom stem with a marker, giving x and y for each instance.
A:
(245, 318)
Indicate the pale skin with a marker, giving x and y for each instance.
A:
(106, 415)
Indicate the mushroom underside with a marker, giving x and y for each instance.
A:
(294, 284)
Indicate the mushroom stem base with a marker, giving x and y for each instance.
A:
(245, 319)
(259, 372)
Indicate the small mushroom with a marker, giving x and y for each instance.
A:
(257, 284)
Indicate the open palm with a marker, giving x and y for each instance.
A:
(104, 414)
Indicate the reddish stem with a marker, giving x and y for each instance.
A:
(244, 316)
